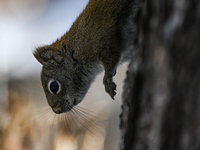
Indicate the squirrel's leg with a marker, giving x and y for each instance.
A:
(110, 67)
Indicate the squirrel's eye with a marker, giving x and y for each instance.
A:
(54, 86)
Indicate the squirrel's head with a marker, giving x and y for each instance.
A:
(64, 80)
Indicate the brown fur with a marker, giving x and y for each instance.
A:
(103, 35)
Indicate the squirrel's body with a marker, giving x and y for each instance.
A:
(103, 35)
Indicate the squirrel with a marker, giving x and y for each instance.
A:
(102, 37)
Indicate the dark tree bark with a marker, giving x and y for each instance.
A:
(161, 98)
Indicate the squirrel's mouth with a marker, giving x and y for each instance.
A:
(59, 110)
(64, 107)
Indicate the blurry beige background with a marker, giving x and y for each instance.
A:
(26, 121)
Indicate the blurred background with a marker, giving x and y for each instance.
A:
(26, 120)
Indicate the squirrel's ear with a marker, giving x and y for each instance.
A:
(46, 55)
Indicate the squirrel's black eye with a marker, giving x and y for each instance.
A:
(54, 86)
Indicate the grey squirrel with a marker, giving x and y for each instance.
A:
(102, 37)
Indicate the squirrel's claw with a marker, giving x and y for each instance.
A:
(110, 87)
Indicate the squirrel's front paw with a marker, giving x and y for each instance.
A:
(110, 86)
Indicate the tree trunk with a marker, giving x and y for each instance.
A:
(161, 98)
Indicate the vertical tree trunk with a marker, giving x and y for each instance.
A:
(161, 98)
